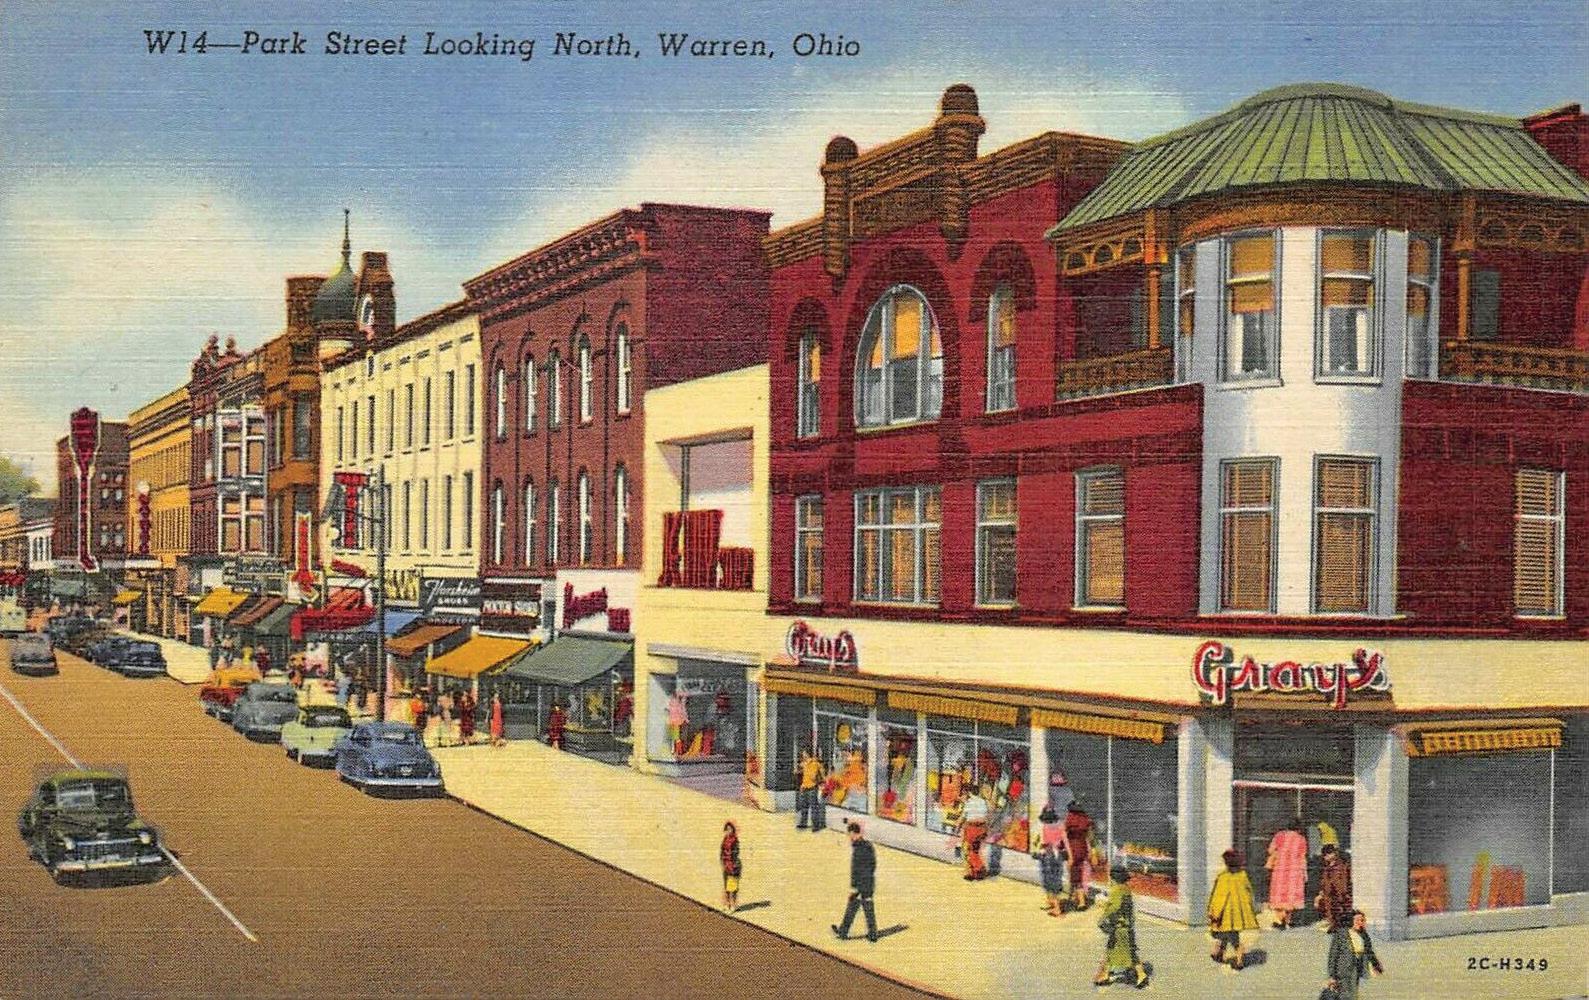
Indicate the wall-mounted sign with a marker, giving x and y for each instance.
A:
(452, 595)
(401, 586)
(509, 607)
(578, 606)
(85, 445)
(261, 574)
(145, 518)
(1218, 674)
(813, 649)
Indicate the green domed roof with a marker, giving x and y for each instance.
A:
(335, 301)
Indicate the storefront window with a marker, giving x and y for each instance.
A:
(1128, 789)
(896, 771)
(703, 707)
(1478, 831)
(842, 748)
(994, 760)
(1570, 870)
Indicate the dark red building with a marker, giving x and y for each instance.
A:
(91, 515)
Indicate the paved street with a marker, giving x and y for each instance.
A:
(346, 894)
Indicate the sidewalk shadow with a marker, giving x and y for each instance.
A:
(1256, 956)
(891, 931)
(760, 904)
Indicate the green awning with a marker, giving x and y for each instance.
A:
(277, 622)
(572, 660)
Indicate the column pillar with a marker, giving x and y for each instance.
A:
(1379, 830)
(1037, 755)
(1206, 762)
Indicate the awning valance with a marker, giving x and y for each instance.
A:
(959, 708)
(126, 597)
(416, 641)
(220, 602)
(475, 657)
(1099, 725)
(1435, 739)
(329, 620)
(572, 660)
(800, 687)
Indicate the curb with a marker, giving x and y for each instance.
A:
(870, 970)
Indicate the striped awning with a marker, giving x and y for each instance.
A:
(803, 688)
(1437, 739)
(1099, 725)
(959, 708)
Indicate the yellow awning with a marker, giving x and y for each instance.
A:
(126, 597)
(1099, 725)
(959, 708)
(476, 656)
(810, 689)
(220, 602)
(1435, 739)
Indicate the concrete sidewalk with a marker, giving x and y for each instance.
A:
(184, 663)
(941, 933)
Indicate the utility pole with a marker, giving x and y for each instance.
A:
(380, 593)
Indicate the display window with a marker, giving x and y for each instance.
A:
(1570, 863)
(896, 769)
(842, 747)
(993, 760)
(1128, 789)
(705, 715)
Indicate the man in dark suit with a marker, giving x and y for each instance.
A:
(863, 880)
(1351, 957)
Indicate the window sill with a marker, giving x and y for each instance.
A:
(1099, 609)
(1251, 383)
(900, 425)
(1541, 619)
(901, 605)
(1323, 378)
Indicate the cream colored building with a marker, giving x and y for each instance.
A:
(159, 446)
(410, 409)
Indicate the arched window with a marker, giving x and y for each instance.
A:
(624, 368)
(500, 382)
(1001, 349)
(584, 519)
(620, 495)
(529, 523)
(554, 388)
(498, 517)
(899, 367)
(531, 396)
(551, 524)
(584, 379)
(808, 418)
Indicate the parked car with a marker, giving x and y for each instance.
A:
(222, 689)
(31, 653)
(263, 709)
(312, 737)
(63, 628)
(80, 821)
(13, 620)
(80, 635)
(105, 650)
(137, 658)
(387, 755)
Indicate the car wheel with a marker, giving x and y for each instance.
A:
(292, 754)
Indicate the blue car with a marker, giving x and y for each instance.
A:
(387, 756)
(137, 658)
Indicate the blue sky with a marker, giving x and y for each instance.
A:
(146, 201)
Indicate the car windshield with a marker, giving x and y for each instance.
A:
(403, 736)
(145, 648)
(92, 795)
(320, 719)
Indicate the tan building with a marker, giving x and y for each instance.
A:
(159, 440)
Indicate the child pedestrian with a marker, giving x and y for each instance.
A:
(1230, 909)
(1121, 963)
(728, 855)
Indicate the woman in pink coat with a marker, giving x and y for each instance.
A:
(1288, 873)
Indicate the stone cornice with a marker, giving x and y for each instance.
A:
(601, 250)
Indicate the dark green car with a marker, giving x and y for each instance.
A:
(78, 822)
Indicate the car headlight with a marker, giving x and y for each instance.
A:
(145, 837)
(68, 843)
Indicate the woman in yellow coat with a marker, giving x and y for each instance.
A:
(1231, 910)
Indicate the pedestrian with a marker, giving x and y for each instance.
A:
(1078, 840)
(1230, 910)
(973, 831)
(728, 856)
(227, 646)
(496, 719)
(215, 652)
(555, 723)
(1351, 958)
(444, 712)
(807, 790)
(1051, 859)
(248, 656)
(1334, 899)
(342, 690)
(419, 712)
(863, 882)
(1121, 963)
(1288, 873)
(466, 706)
(1060, 794)
(262, 663)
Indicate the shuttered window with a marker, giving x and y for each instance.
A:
(1100, 538)
(996, 542)
(1344, 535)
(1247, 535)
(1251, 331)
(1538, 542)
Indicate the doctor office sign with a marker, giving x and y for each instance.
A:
(1218, 674)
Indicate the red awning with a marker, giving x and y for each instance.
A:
(329, 620)
(344, 598)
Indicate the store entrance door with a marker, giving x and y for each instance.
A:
(1263, 808)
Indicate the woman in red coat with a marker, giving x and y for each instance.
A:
(554, 726)
(496, 720)
(465, 709)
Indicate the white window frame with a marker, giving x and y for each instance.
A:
(531, 396)
(498, 521)
(1084, 520)
(620, 492)
(801, 570)
(1228, 281)
(586, 378)
(1557, 519)
(929, 383)
(500, 381)
(528, 494)
(919, 527)
(1371, 512)
(552, 517)
(1273, 510)
(554, 402)
(625, 372)
(985, 525)
(585, 534)
(808, 398)
(1431, 287)
(1000, 396)
(1372, 347)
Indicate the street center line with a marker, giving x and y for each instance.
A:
(61, 749)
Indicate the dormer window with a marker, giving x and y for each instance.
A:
(899, 366)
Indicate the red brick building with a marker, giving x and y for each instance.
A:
(91, 516)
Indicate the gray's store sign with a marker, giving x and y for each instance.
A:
(449, 595)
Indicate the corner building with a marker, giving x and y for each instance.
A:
(1224, 482)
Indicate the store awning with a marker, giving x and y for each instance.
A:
(220, 602)
(344, 598)
(126, 597)
(396, 621)
(959, 708)
(329, 620)
(571, 661)
(1435, 739)
(414, 642)
(1099, 725)
(800, 687)
(476, 656)
(253, 614)
(246, 609)
(277, 622)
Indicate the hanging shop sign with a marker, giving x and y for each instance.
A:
(510, 607)
(145, 518)
(401, 585)
(834, 653)
(453, 595)
(85, 445)
(262, 575)
(1218, 674)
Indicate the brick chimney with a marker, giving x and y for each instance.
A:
(958, 128)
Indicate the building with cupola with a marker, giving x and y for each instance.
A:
(1228, 482)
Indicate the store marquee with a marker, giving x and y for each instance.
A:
(1436, 739)
(1218, 674)
(811, 689)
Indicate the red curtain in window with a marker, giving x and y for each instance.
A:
(702, 530)
(738, 565)
(672, 521)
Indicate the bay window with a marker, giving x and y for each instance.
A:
(897, 545)
(1344, 535)
(1251, 342)
(1347, 329)
(899, 367)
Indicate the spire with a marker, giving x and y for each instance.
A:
(347, 244)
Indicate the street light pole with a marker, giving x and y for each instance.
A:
(380, 593)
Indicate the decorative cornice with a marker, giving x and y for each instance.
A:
(596, 252)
